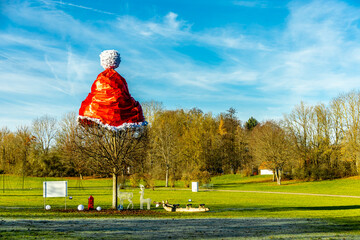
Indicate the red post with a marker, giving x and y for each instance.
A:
(91, 203)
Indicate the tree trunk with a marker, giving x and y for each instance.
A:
(278, 176)
(167, 177)
(114, 201)
(274, 173)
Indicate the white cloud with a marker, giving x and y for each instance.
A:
(317, 53)
(228, 38)
(168, 28)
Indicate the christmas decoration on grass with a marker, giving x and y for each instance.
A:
(109, 104)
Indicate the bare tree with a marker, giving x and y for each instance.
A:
(350, 104)
(44, 129)
(272, 145)
(65, 142)
(110, 150)
(298, 126)
(152, 109)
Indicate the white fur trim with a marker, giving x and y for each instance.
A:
(122, 127)
(110, 59)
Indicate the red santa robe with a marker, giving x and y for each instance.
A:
(110, 104)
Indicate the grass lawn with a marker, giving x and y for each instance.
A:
(27, 203)
(348, 186)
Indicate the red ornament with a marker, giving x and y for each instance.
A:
(91, 203)
(110, 104)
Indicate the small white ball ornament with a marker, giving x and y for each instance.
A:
(136, 135)
(81, 207)
(98, 208)
(47, 207)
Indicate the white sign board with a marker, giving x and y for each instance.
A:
(55, 189)
(195, 186)
(266, 172)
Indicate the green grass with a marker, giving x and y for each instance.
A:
(225, 200)
(348, 186)
(16, 202)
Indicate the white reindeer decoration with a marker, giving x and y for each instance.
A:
(142, 199)
(125, 196)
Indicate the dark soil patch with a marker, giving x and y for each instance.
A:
(130, 212)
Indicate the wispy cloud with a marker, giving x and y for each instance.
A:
(251, 3)
(169, 27)
(79, 6)
(316, 50)
(313, 55)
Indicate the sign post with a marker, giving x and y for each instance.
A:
(55, 189)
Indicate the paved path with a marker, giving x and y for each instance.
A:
(286, 193)
(215, 228)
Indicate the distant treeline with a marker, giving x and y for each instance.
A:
(312, 143)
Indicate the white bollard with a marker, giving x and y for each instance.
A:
(195, 186)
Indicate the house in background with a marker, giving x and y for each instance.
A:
(264, 169)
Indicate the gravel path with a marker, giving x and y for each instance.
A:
(286, 193)
(240, 228)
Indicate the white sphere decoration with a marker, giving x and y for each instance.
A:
(98, 208)
(81, 207)
(47, 207)
(136, 134)
(157, 205)
(110, 59)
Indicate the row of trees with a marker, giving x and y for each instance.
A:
(312, 142)
(326, 138)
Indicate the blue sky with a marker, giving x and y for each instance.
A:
(259, 57)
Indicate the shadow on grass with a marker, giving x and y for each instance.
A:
(238, 184)
(265, 209)
(327, 208)
(352, 223)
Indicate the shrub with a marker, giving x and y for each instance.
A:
(205, 177)
(122, 182)
(186, 178)
(172, 180)
(246, 172)
(202, 177)
(149, 181)
(134, 180)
